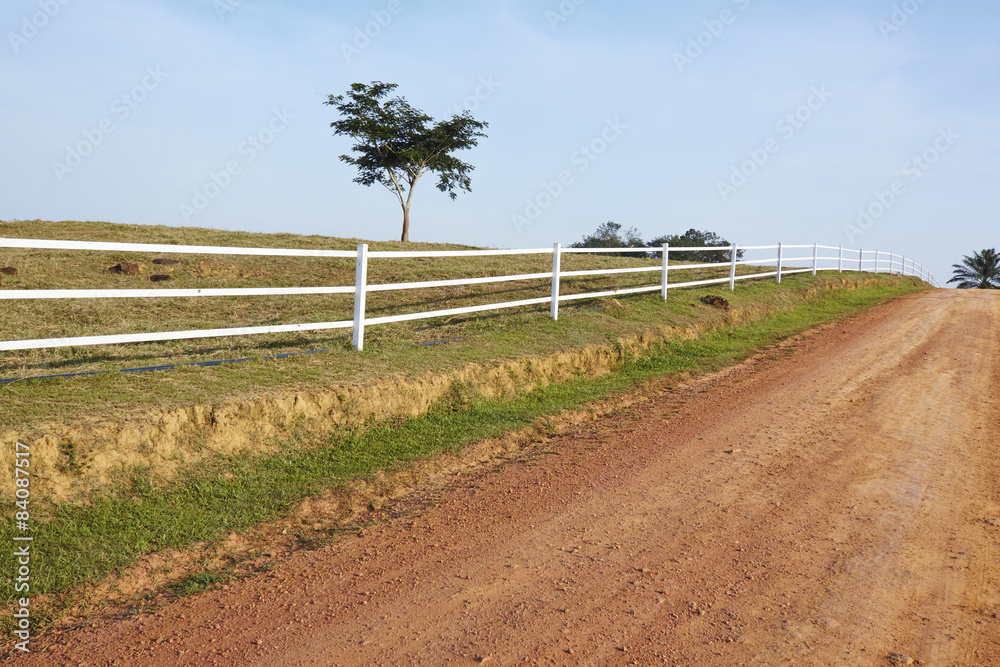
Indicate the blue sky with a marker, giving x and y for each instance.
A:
(870, 124)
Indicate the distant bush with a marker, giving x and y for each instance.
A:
(693, 238)
(610, 235)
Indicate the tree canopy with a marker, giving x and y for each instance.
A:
(397, 144)
(693, 238)
(980, 271)
(609, 235)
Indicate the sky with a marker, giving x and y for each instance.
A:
(863, 123)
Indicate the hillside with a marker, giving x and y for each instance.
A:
(388, 347)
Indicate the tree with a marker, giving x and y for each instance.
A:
(609, 235)
(693, 238)
(397, 144)
(981, 271)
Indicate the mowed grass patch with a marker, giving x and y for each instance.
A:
(74, 544)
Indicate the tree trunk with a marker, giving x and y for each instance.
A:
(406, 224)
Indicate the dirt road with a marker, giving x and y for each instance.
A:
(830, 506)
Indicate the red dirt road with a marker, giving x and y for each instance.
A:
(831, 506)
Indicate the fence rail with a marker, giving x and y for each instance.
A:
(846, 259)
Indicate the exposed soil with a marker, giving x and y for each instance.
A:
(835, 505)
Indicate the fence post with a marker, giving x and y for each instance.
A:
(732, 270)
(556, 261)
(903, 270)
(876, 262)
(840, 266)
(861, 260)
(360, 292)
(779, 261)
(815, 257)
(666, 252)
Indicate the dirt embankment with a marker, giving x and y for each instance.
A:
(838, 506)
(71, 460)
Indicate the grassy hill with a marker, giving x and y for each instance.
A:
(386, 345)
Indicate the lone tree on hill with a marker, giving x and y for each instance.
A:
(397, 144)
(981, 271)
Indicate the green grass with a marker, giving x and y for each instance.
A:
(80, 543)
(200, 582)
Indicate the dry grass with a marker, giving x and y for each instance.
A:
(45, 269)
(507, 333)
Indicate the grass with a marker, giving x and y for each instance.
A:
(200, 582)
(39, 269)
(487, 337)
(80, 543)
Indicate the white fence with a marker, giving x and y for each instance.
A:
(844, 260)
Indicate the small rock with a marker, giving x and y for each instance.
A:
(992, 522)
(125, 269)
(167, 262)
(898, 659)
(8, 271)
(159, 278)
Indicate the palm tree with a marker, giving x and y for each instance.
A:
(981, 271)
